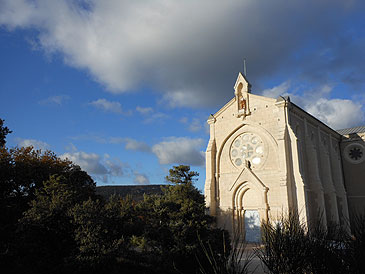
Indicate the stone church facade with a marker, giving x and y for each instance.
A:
(267, 157)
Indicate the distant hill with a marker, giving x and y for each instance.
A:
(135, 191)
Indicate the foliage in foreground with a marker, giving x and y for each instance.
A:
(67, 230)
(52, 221)
(23, 173)
(289, 247)
(234, 259)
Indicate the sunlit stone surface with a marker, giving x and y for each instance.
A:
(267, 157)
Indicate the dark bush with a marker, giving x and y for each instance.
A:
(289, 247)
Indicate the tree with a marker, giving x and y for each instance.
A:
(105, 233)
(181, 175)
(3, 132)
(23, 172)
(175, 221)
(66, 230)
(24, 169)
(44, 237)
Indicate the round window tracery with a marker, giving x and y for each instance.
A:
(247, 146)
(354, 153)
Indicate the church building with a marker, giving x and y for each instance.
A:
(267, 157)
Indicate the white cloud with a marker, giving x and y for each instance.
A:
(186, 97)
(131, 144)
(180, 150)
(150, 115)
(107, 105)
(115, 167)
(126, 45)
(57, 99)
(143, 110)
(194, 125)
(90, 162)
(277, 91)
(141, 179)
(71, 147)
(34, 143)
(336, 113)
(156, 117)
(101, 168)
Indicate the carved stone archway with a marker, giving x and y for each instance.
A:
(243, 187)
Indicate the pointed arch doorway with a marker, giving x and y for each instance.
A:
(252, 226)
(250, 209)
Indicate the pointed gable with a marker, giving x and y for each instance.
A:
(241, 90)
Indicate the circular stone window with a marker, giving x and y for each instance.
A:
(354, 153)
(247, 146)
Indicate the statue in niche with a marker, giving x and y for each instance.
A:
(242, 104)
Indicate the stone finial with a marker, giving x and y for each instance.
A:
(211, 119)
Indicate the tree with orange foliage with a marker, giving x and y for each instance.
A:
(23, 171)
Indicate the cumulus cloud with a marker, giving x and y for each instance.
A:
(55, 100)
(106, 105)
(140, 179)
(115, 166)
(90, 162)
(172, 150)
(180, 150)
(336, 113)
(276, 91)
(131, 144)
(126, 45)
(101, 168)
(32, 142)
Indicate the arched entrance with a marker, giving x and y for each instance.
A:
(250, 209)
(252, 229)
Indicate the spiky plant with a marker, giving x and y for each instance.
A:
(234, 260)
(285, 246)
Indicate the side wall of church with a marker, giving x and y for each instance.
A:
(318, 186)
(353, 161)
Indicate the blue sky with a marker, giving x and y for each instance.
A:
(123, 88)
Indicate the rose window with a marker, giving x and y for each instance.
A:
(247, 146)
(354, 153)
